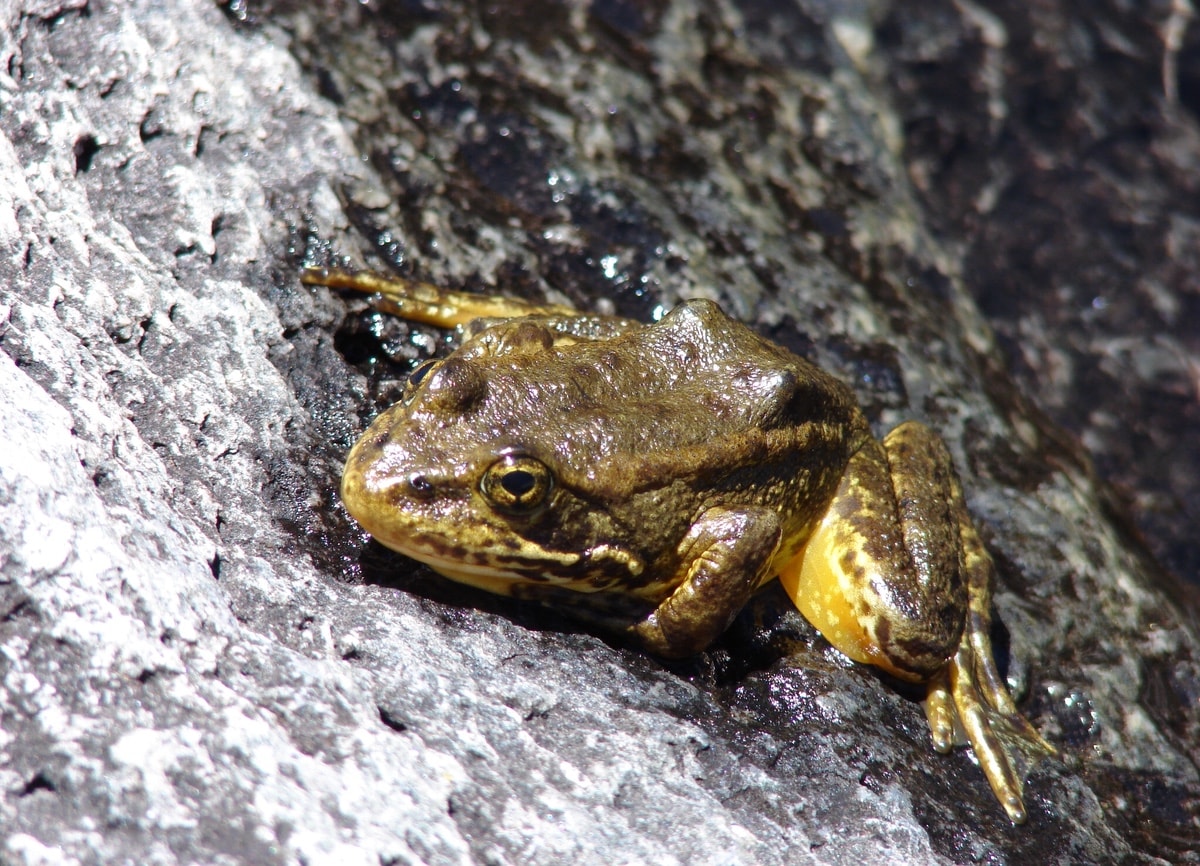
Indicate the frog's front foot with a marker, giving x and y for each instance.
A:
(723, 559)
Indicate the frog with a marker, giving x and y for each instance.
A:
(651, 477)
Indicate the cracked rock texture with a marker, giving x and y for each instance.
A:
(203, 661)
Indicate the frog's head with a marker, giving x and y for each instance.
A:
(469, 474)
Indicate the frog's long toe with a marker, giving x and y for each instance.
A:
(1005, 744)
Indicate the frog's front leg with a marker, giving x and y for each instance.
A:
(725, 557)
(895, 576)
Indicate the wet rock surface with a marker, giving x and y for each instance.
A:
(1060, 147)
(204, 661)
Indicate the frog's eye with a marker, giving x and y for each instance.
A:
(417, 376)
(517, 484)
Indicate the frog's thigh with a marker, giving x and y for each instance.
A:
(726, 556)
(880, 577)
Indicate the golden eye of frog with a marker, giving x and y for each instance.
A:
(660, 474)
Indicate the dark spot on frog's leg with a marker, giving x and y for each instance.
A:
(907, 655)
(502, 558)
(949, 612)
(883, 632)
(456, 551)
(849, 504)
(866, 538)
(851, 565)
(919, 649)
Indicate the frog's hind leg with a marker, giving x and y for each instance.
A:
(896, 576)
(879, 575)
(423, 302)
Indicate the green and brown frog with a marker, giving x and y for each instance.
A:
(659, 474)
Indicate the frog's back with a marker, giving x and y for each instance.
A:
(696, 409)
(689, 381)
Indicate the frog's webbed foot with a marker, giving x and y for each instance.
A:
(970, 695)
(1005, 744)
(419, 301)
(726, 555)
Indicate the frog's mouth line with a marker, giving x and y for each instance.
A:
(490, 574)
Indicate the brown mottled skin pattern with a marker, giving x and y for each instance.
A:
(659, 474)
(896, 515)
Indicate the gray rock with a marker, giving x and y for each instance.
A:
(201, 661)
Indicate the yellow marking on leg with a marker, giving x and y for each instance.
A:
(827, 595)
